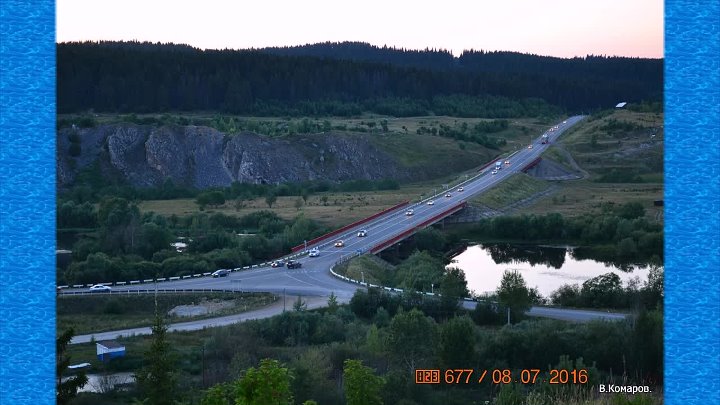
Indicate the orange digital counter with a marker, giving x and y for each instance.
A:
(500, 376)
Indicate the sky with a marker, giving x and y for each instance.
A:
(563, 28)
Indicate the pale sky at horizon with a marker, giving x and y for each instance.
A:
(564, 28)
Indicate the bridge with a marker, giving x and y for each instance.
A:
(384, 229)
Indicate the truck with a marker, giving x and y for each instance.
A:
(545, 139)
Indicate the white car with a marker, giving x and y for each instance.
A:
(100, 288)
(314, 253)
(529, 146)
(494, 172)
(448, 195)
(339, 243)
(431, 202)
(362, 233)
(461, 189)
(409, 212)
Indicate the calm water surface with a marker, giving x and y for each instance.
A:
(542, 267)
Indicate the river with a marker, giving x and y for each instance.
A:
(543, 267)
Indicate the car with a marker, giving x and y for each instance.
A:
(507, 162)
(448, 195)
(339, 243)
(100, 288)
(409, 212)
(314, 253)
(564, 122)
(362, 233)
(292, 264)
(494, 172)
(220, 273)
(529, 146)
(277, 263)
(431, 202)
(461, 189)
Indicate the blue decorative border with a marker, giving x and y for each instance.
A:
(27, 202)
(27, 193)
(692, 209)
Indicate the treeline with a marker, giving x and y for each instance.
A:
(479, 61)
(619, 233)
(91, 187)
(313, 349)
(478, 132)
(127, 245)
(606, 291)
(132, 77)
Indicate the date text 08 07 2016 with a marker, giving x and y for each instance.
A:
(500, 376)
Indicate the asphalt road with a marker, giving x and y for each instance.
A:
(314, 277)
(281, 305)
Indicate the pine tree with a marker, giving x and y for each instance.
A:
(68, 389)
(157, 378)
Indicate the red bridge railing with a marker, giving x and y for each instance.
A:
(416, 228)
(531, 164)
(350, 226)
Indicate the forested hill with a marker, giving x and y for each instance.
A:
(143, 77)
(618, 68)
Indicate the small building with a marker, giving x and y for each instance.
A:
(621, 105)
(109, 349)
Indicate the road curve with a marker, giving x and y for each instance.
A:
(315, 279)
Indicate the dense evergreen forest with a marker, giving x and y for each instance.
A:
(341, 79)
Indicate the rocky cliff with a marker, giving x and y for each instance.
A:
(202, 157)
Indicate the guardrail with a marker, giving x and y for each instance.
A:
(406, 233)
(160, 291)
(350, 226)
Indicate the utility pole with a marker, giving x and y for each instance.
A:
(283, 300)
(362, 273)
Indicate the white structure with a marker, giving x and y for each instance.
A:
(109, 349)
(621, 105)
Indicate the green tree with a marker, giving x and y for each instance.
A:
(457, 342)
(332, 303)
(453, 287)
(270, 198)
(269, 384)
(412, 338)
(603, 291)
(305, 194)
(213, 198)
(299, 305)
(514, 293)
(220, 394)
(66, 390)
(362, 386)
(157, 380)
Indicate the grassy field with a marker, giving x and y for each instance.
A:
(98, 313)
(621, 141)
(516, 188)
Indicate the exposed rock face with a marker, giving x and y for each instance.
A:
(201, 157)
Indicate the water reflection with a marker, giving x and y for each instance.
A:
(544, 267)
(515, 254)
